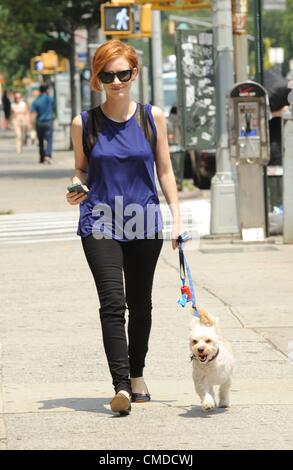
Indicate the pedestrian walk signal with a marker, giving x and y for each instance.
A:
(116, 20)
(37, 64)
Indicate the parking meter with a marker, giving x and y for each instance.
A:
(248, 116)
(248, 123)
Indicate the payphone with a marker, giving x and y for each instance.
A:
(248, 115)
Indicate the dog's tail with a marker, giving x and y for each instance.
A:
(205, 317)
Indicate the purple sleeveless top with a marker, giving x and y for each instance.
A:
(122, 201)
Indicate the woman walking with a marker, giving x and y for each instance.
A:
(20, 119)
(116, 146)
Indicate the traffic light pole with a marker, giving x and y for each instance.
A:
(95, 38)
(151, 71)
(224, 218)
(259, 53)
(157, 60)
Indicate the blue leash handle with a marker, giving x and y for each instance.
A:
(183, 264)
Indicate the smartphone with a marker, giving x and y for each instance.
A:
(76, 187)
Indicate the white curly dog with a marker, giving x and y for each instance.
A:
(212, 361)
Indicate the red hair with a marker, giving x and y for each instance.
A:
(108, 51)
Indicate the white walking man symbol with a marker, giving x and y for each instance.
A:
(122, 19)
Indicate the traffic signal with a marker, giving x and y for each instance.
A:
(63, 65)
(116, 19)
(37, 64)
(146, 19)
(50, 61)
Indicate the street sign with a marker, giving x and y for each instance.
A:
(81, 47)
(116, 20)
(196, 90)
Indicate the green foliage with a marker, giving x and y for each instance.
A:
(29, 28)
(277, 28)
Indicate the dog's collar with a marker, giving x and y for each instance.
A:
(193, 357)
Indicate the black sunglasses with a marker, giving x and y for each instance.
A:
(109, 77)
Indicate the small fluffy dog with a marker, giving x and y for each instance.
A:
(212, 360)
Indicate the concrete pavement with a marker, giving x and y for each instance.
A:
(27, 186)
(55, 386)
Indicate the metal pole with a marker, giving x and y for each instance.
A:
(259, 53)
(95, 38)
(287, 134)
(259, 41)
(239, 21)
(151, 79)
(157, 60)
(224, 218)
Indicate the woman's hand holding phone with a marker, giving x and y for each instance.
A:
(76, 193)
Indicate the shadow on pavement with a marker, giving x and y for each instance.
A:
(93, 405)
(196, 412)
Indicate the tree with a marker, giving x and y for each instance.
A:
(51, 23)
(18, 43)
(277, 27)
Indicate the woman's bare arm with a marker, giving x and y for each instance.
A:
(165, 171)
(80, 165)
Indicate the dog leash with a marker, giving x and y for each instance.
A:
(187, 292)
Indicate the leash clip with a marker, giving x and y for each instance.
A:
(184, 237)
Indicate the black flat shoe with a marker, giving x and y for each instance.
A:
(140, 397)
(120, 404)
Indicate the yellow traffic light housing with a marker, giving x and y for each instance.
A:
(116, 19)
(146, 19)
(50, 61)
(63, 65)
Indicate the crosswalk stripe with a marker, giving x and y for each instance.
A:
(43, 227)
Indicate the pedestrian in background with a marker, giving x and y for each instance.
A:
(278, 99)
(42, 114)
(127, 138)
(6, 104)
(20, 120)
(173, 126)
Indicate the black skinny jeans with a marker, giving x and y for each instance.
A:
(107, 259)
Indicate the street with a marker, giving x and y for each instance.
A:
(55, 386)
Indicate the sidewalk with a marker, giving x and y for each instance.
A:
(27, 186)
(55, 381)
(55, 386)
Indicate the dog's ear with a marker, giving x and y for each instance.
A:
(205, 317)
